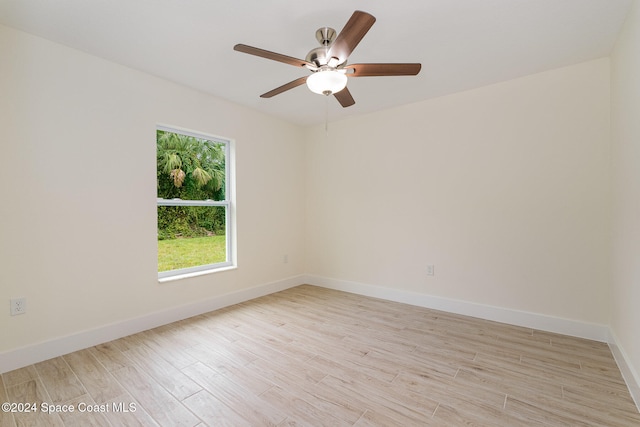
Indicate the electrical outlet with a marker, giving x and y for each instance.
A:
(430, 270)
(18, 306)
(285, 258)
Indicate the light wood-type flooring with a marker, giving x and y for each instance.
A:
(316, 357)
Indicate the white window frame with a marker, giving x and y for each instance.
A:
(228, 204)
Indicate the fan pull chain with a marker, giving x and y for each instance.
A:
(326, 115)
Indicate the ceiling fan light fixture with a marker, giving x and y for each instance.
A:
(326, 82)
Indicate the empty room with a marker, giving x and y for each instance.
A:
(310, 213)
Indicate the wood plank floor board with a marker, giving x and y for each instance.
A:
(443, 360)
(520, 380)
(391, 341)
(577, 346)
(253, 383)
(34, 393)
(211, 357)
(373, 367)
(133, 413)
(505, 381)
(548, 359)
(6, 417)
(334, 401)
(110, 356)
(245, 403)
(373, 418)
(174, 333)
(473, 415)
(602, 368)
(309, 356)
(300, 412)
(545, 416)
(344, 348)
(170, 377)
(201, 329)
(21, 375)
(59, 380)
(306, 388)
(219, 334)
(83, 418)
(232, 351)
(451, 392)
(360, 396)
(263, 350)
(380, 392)
(316, 334)
(602, 399)
(213, 412)
(157, 401)
(581, 410)
(460, 403)
(289, 378)
(95, 378)
(168, 350)
(310, 339)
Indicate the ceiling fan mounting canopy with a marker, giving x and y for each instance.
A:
(328, 63)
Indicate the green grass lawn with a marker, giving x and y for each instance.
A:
(190, 252)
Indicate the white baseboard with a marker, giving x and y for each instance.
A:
(24, 356)
(498, 314)
(629, 374)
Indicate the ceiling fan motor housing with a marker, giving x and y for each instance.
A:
(318, 56)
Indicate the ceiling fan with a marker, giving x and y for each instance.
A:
(328, 63)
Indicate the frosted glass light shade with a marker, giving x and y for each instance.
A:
(326, 82)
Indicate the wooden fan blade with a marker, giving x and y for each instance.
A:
(344, 98)
(285, 87)
(353, 31)
(272, 55)
(370, 70)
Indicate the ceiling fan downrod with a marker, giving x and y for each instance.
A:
(325, 35)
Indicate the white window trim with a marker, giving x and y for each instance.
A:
(228, 204)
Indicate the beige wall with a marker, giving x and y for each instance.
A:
(78, 216)
(626, 190)
(505, 189)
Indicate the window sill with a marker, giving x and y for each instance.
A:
(195, 274)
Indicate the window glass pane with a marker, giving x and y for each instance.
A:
(190, 168)
(190, 236)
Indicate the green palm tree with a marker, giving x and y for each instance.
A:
(189, 168)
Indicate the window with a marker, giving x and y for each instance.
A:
(194, 202)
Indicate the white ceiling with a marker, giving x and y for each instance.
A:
(461, 44)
